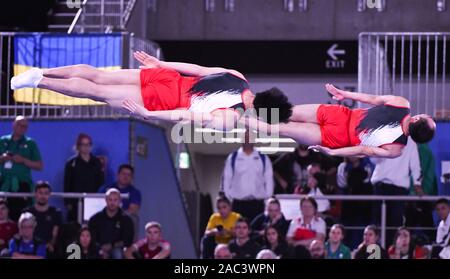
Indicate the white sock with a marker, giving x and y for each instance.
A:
(30, 78)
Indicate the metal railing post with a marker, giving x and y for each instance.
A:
(80, 210)
(383, 223)
(122, 27)
(102, 15)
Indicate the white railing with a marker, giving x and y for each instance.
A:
(382, 199)
(103, 16)
(10, 108)
(412, 65)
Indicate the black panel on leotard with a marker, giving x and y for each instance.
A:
(380, 116)
(219, 82)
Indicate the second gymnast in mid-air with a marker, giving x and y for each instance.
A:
(379, 131)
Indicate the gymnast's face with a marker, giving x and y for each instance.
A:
(428, 118)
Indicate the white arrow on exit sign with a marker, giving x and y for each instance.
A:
(333, 51)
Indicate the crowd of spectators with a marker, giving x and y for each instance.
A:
(249, 222)
(320, 229)
(32, 228)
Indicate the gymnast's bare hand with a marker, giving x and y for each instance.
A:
(135, 109)
(321, 149)
(146, 60)
(338, 94)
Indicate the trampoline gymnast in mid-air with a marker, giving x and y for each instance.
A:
(379, 131)
(210, 96)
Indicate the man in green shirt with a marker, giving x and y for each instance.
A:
(19, 155)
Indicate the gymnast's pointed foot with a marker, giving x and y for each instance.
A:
(30, 78)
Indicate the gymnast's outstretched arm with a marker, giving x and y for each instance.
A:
(185, 68)
(387, 151)
(375, 100)
(222, 120)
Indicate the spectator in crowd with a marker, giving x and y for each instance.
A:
(308, 227)
(276, 242)
(403, 247)
(290, 169)
(242, 247)
(220, 226)
(272, 217)
(392, 177)
(19, 155)
(8, 228)
(443, 229)
(83, 173)
(316, 181)
(222, 252)
(266, 254)
(248, 179)
(334, 247)
(420, 213)
(89, 249)
(353, 178)
(123, 184)
(26, 245)
(111, 227)
(317, 249)
(371, 236)
(151, 247)
(48, 218)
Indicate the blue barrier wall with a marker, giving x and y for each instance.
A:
(56, 139)
(155, 177)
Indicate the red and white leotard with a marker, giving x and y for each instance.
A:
(165, 89)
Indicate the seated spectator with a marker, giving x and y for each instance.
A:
(242, 247)
(151, 247)
(112, 228)
(8, 228)
(354, 179)
(276, 242)
(312, 188)
(26, 245)
(443, 229)
(317, 249)
(83, 173)
(222, 252)
(272, 217)
(48, 218)
(220, 227)
(371, 236)
(290, 169)
(266, 254)
(123, 184)
(89, 249)
(334, 247)
(308, 227)
(404, 247)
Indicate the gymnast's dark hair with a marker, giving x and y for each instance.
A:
(420, 131)
(271, 99)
